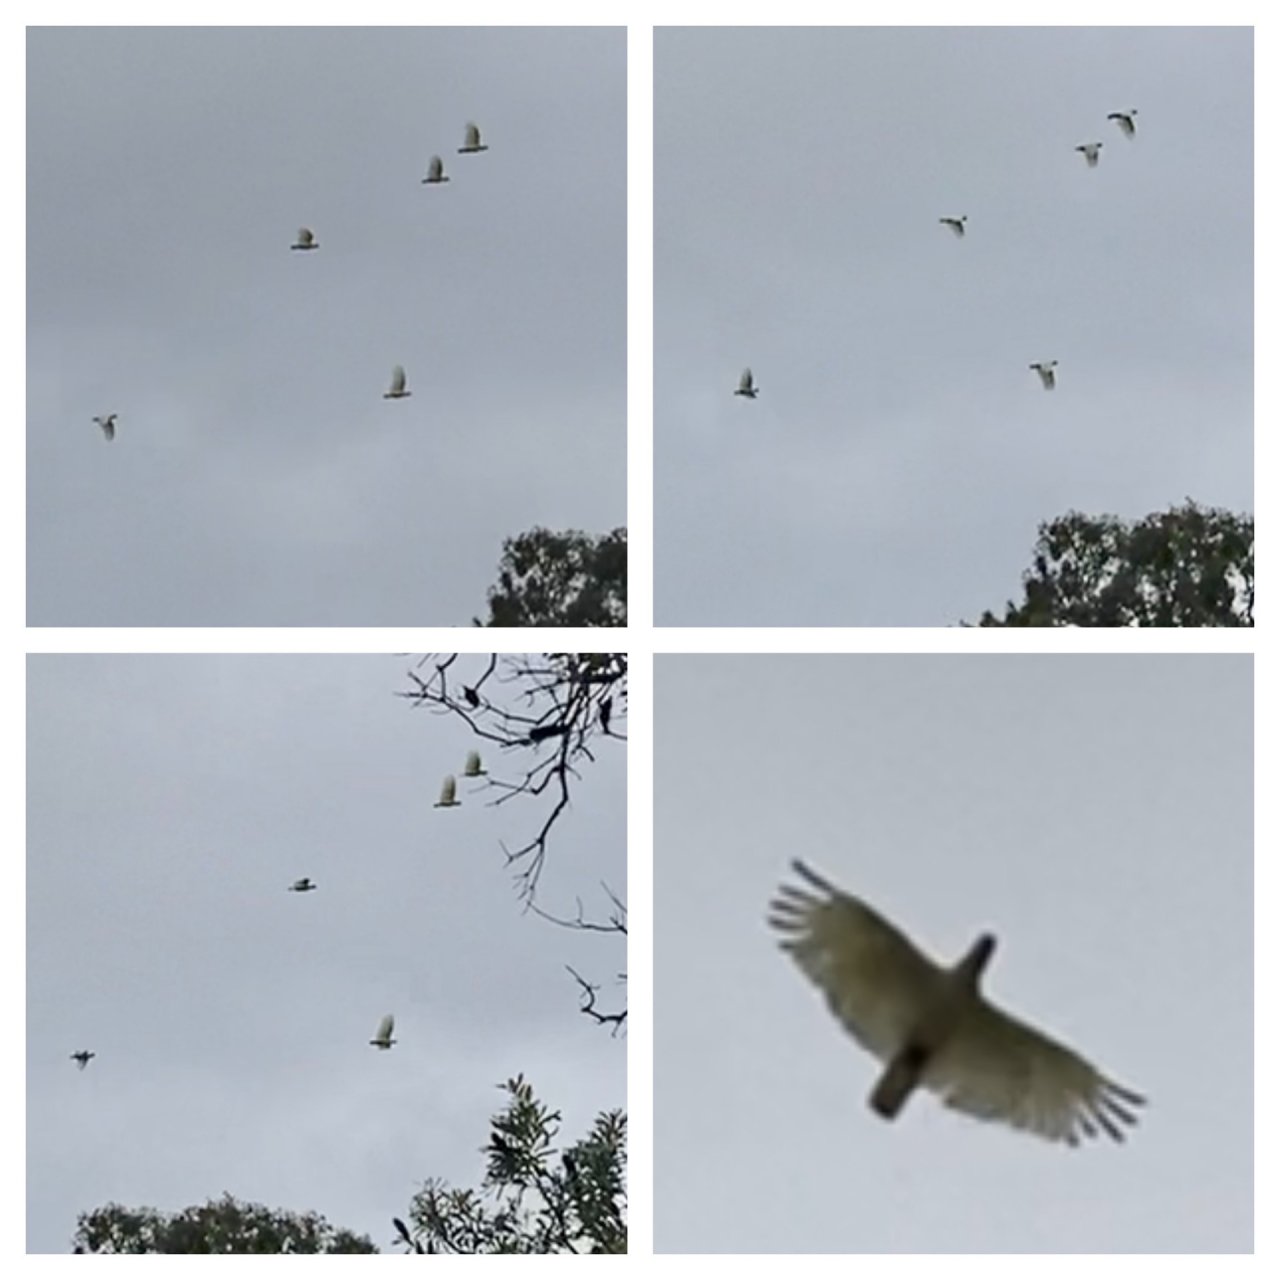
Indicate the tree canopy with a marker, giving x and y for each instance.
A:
(1186, 567)
(569, 579)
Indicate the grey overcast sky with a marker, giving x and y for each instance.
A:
(901, 453)
(1095, 813)
(171, 802)
(258, 477)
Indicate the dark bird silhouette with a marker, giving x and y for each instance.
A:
(606, 713)
(472, 697)
(302, 886)
(82, 1057)
(541, 732)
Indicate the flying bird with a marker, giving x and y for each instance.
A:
(448, 793)
(108, 425)
(1090, 150)
(747, 386)
(397, 391)
(471, 141)
(302, 886)
(1045, 369)
(1125, 120)
(81, 1058)
(383, 1039)
(931, 1026)
(473, 769)
(435, 170)
(306, 239)
(956, 224)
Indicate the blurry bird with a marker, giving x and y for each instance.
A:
(956, 224)
(302, 886)
(1045, 370)
(931, 1026)
(472, 697)
(108, 425)
(81, 1058)
(473, 768)
(306, 240)
(448, 794)
(606, 712)
(1090, 150)
(472, 141)
(1125, 120)
(435, 170)
(383, 1039)
(540, 733)
(747, 386)
(397, 391)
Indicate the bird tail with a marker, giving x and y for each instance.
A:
(899, 1079)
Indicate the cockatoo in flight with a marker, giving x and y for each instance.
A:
(383, 1039)
(931, 1026)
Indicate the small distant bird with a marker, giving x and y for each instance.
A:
(956, 224)
(306, 239)
(473, 768)
(383, 1039)
(606, 712)
(472, 697)
(747, 386)
(448, 793)
(108, 425)
(472, 141)
(1090, 150)
(302, 886)
(540, 733)
(1045, 370)
(931, 1027)
(397, 391)
(435, 170)
(81, 1058)
(1125, 120)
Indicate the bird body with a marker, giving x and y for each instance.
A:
(956, 224)
(397, 391)
(306, 239)
(81, 1058)
(471, 141)
(473, 769)
(448, 794)
(1045, 369)
(383, 1038)
(1125, 120)
(472, 697)
(1090, 151)
(108, 425)
(747, 386)
(304, 885)
(435, 170)
(932, 1028)
(606, 712)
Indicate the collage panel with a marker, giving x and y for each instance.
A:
(953, 326)
(953, 954)
(326, 326)
(326, 954)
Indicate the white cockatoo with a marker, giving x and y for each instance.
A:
(302, 886)
(306, 239)
(81, 1058)
(471, 140)
(956, 224)
(1090, 151)
(108, 425)
(383, 1039)
(747, 386)
(448, 793)
(931, 1026)
(1125, 120)
(1045, 369)
(435, 170)
(473, 768)
(397, 391)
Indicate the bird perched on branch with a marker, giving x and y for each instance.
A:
(932, 1028)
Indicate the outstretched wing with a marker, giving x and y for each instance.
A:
(386, 1027)
(995, 1067)
(876, 982)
